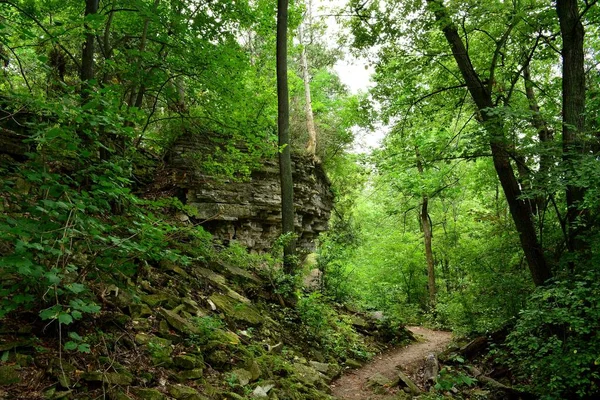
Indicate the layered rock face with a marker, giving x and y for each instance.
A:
(250, 212)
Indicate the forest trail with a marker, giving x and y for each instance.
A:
(353, 384)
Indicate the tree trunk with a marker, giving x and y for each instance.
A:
(311, 146)
(481, 95)
(283, 126)
(87, 56)
(427, 236)
(545, 136)
(573, 93)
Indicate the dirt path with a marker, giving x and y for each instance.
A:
(352, 385)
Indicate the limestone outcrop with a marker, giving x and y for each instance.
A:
(249, 212)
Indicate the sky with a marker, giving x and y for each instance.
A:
(353, 71)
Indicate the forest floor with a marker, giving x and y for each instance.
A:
(409, 359)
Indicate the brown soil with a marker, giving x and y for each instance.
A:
(352, 385)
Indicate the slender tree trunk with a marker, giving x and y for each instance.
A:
(87, 56)
(283, 125)
(573, 93)
(545, 136)
(427, 236)
(311, 146)
(481, 95)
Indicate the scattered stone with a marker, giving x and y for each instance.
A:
(262, 391)
(332, 371)
(244, 377)
(138, 311)
(9, 375)
(405, 381)
(185, 393)
(155, 300)
(112, 378)
(149, 394)
(233, 396)
(307, 375)
(218, 358)
(237, 309)
(379, 383)
(178, 323)
(215, 278)
(143, 338)
(191, 306)
(187, 361)
(141, 324)
(227, 337)
(254, 369)
(191, 374)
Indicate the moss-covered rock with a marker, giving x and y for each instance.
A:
(112, 378)
(182, 392)
(188, 361)
(155, 300)
(218, 358)
(307, 375)
(243, 376)
(9, 375)
(140, 310)
(237, 310)
(179, 323)
(149, 394)
(190, 375)
(331, 371)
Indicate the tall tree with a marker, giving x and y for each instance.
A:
(283, 126)
(311, 146)
(427, 234)
(573, 115)
(480, 91)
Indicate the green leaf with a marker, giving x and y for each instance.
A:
(70, 345)
(84, 348)
(65, 318)
(76, 287)
(75, 336)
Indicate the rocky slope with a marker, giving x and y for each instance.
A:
(203, 331)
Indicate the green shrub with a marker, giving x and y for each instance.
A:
(555, 346)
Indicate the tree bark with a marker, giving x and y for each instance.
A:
(427, 236)
(87, 56)
(573, 98)
(481, 95)
(283, 126)
(311, 146)
(545, 136)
